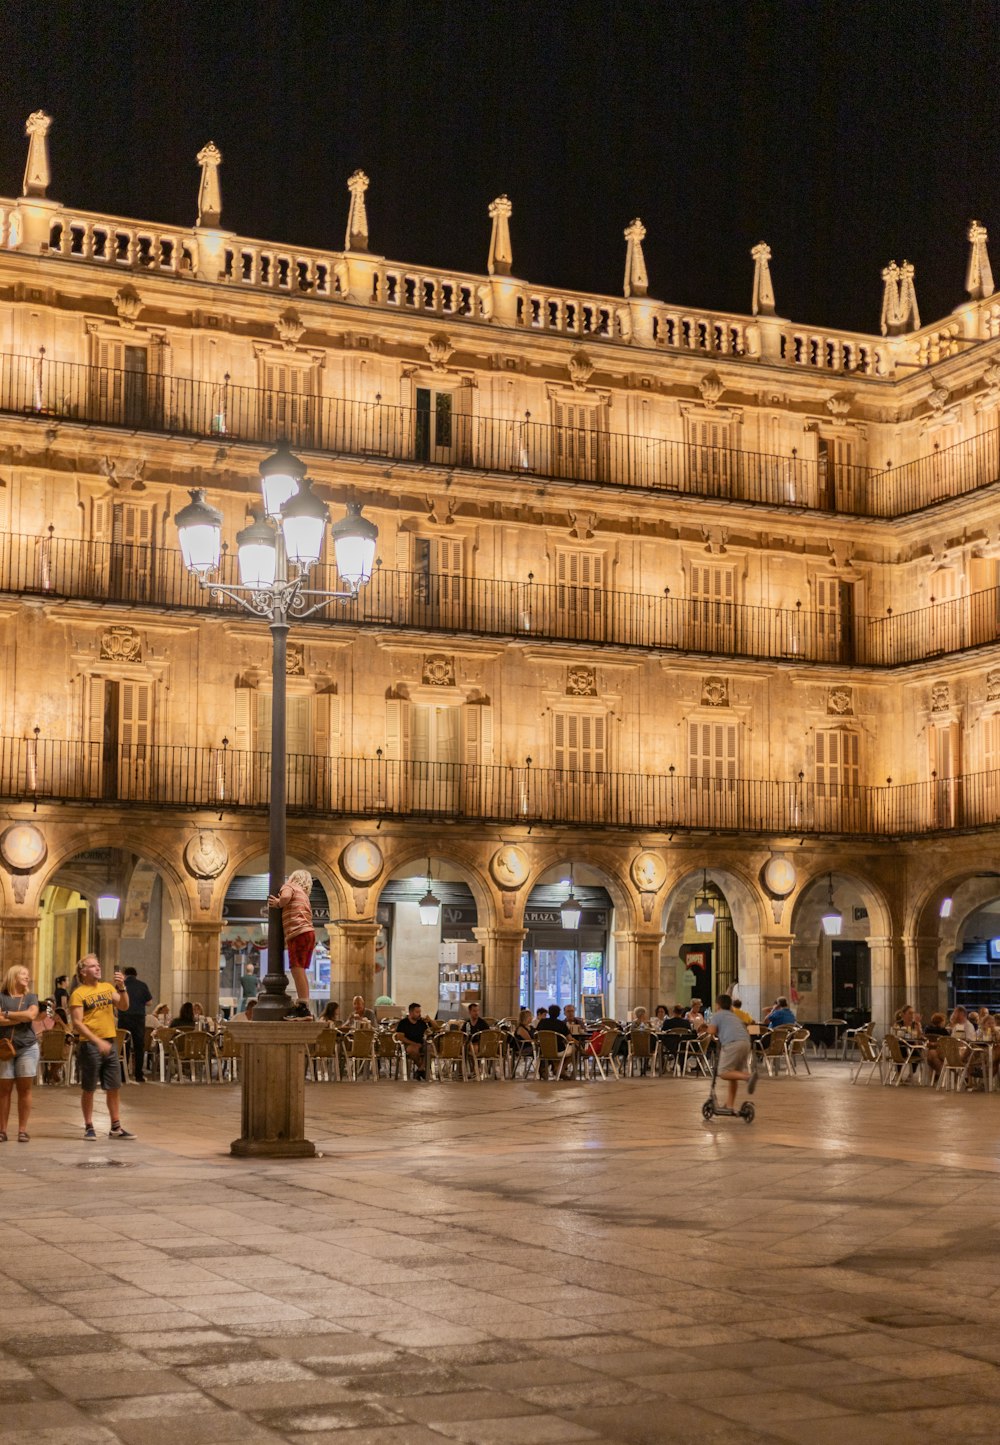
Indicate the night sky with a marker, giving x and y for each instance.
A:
(844, 134)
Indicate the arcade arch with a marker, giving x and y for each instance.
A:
(561, 964)
(848, 974)
(720, 956)
(242, 943)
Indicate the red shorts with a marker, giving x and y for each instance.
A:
(300, 949)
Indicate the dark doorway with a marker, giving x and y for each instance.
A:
(852, 981)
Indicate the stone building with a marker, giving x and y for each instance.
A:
(675, 610)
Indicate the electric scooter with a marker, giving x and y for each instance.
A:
(712, 1107)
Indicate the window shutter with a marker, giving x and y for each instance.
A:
(421, 724)
(326, 725)
(397, 728)
(135, 722)
(403, 551)
(95, 710)
(242, 739)
(448, 741)
(990, 742)
(135, 525)
(101, 519)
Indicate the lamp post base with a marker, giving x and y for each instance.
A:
(272, 1076)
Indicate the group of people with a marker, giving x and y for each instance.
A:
(922, 1041)
(92, 1005)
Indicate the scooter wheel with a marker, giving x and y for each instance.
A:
(747, 1112)
(708, 1109)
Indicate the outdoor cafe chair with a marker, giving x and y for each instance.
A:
(361, 1056)
(603, 1060)
(389, 1051)
(55, 1050)
(193, 1050)
(850, 1039)
(771, 1050)
(795, 1049)
(895, 1060)
(955, 1061)
(450, 1056)
(228, 1053)
(488, 1055)
(550, 1056)
(870, 1054)
(162, 1045)
(123, 1043)
(642, 1052)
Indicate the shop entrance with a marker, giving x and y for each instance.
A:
(559, 964)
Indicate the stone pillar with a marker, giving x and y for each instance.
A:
(888, 981)
(765, 969)
(195, 965)
(501, 969)
(637, 971)
(921, 955)
(19, 943)
(352, 964)
(109, 942)
(272, 1079)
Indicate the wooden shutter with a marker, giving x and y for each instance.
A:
(448, 741)
(133, 525)
(326, 725)
(577, 439)
(286, 400)
(989, 743)
(242, 731)
(135, 723)
(397, 728)
(580, 742)
(713, 750)
(478, 732)
(580, 584)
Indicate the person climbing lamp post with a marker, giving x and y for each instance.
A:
(276, 553)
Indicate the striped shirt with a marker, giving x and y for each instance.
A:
(296, 912)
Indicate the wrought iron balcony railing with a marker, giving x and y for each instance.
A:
(142, 401)
(42, 770)
(448, 604)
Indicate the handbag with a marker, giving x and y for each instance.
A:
(7, 1049)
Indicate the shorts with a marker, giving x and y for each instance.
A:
(95, 1068)
(300, 949)
(24, 1064)
(734, 1056)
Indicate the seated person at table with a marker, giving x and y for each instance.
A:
(675, 1031)
(331, 1016)
(696, 1015)
(552, 1023)
(161, 1017)
(741, 1012)
(660, 1015)
(246, 1017)
(411, 1033)
(936, 1029)
(474, 1025)
(779, 1013)
(961, 1028)
(360, 1017)
(185, 1019)
(574, 1026)
(541, 1013)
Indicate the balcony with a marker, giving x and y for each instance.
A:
(51, 391)
(41, 770)
(450, 604)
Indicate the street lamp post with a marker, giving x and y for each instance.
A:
(287, 533)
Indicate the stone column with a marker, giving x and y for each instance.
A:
(109, 943)
(637, 971)
(352, 963)
(888, 980)
(921, 955)
(501, 969)
(195, 965)
(765, 969)
(19, 943)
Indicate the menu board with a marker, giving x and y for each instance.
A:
(593, 1008)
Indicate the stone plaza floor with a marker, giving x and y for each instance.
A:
(508, 1262)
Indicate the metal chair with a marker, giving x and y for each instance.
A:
(162, 1043)
(955, 1061)
(642, 1052)
(550, 1055)
(55, 1051)
(871, 1054)
(795, 1049)
(450, 1056)
(488, 1055)
(389, 1051)
(771, 1050)
(603, 1060)
(228, 1053)
(324, 1056)
(123, 1043)
(361, 1055)
(193, 1050)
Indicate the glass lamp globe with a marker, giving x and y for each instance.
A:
(108, 905)
(281, 475)
(430, 908)
(354, 539)
(571, 913)
(256, 548)
(704, 916)
(199, 530)
(303, 522)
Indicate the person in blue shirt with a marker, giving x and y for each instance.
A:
(734, 1049)
(779, 1014)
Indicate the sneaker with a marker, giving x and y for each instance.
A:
(752, 1082)
(119, 1133)
(90, 1132)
